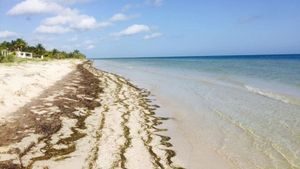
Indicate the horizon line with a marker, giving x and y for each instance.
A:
(204, 56)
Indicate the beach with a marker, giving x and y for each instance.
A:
(67, 114)
(150, 113)
(149, 84)
(20, 83)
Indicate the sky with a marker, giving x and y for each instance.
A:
(146, 28)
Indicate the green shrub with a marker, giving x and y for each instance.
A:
(8, 58)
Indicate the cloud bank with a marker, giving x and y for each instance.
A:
(7, 34)
(34, 7)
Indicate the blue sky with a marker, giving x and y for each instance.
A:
(145, 28)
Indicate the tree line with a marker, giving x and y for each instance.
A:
(37, 50)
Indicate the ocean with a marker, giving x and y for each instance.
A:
(245, 109)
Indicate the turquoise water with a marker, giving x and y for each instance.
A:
(245, 108)
(278, 69)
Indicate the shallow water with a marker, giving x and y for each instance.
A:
(246, 109)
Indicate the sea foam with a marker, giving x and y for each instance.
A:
(272, 95)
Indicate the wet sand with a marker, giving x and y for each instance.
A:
(89, 119)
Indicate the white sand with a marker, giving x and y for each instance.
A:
(22, 82)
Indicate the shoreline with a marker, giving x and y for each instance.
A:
(89, 119)
(216, 121)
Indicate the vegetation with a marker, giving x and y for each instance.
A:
(9, 58)
(37, 50)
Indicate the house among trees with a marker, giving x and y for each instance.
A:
(19, 54)
(20, 49)
(27, 55)
(4, 52)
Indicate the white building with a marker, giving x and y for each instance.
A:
(23, 54)
(4, 52)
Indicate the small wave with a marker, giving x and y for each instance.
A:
(271, 95)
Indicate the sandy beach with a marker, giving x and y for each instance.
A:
(67, 114)
(22, 82)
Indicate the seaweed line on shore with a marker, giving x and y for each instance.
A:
(47, 124)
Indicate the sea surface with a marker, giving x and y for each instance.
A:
(244, 108)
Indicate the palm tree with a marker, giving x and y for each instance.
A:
(76, 52)
(39, 49)
(20, 44)
(54, 53)
(29, 49)
(13, 45)
(5, 45)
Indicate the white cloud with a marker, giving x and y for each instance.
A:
(133, 29)
(64, 20)
(153, 35)
(85, 22)
(34, 7)
(103, 24)
(41, 6)
(7, 34)
(52, 29)
(121, 17)
(73, 19)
